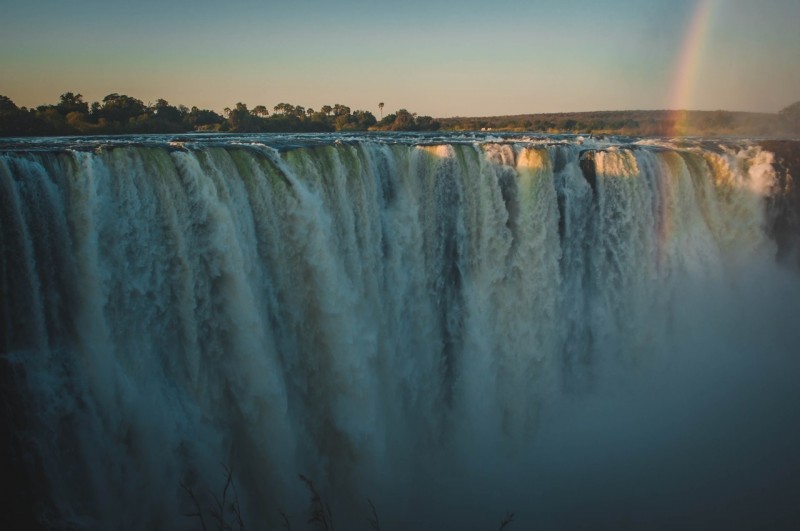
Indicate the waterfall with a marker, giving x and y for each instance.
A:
(450, 328)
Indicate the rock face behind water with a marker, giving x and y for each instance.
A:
(783, 207)
(588, 169)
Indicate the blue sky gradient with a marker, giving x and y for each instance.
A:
(436, 57)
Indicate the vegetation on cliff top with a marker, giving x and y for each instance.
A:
(641, 123)
(121, 114)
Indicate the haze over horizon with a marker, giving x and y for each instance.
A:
(476, 59)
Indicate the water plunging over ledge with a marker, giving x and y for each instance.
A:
(453, 326)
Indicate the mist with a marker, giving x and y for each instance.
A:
(586, 333)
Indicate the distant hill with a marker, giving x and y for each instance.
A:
(635, 123)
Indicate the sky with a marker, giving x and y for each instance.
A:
(435, 57)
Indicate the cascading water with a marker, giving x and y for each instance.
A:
(585, 332)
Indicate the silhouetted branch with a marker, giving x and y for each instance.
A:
(286, 522)
(235, 507)
(199, 513)
(221, 506)
(319, 512)
(373, 522)
(506, 521)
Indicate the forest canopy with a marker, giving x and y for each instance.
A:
(122, 114)
(641, 123)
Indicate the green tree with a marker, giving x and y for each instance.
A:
(240, 118)
(14, 121)
(6, 105)
(344, 123)
(69, 102)
(162, 110)
(341, 110)
(319, 121)
(202, 118)
(94, 111)
(404, 121)
(121, 108)
(364, 119)
(387, 120)
(285, 108)
(52, 121)
(427, 123)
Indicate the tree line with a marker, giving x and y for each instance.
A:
(640, 123)
(122, 114)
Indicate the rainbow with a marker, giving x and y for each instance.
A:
(688, 63)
